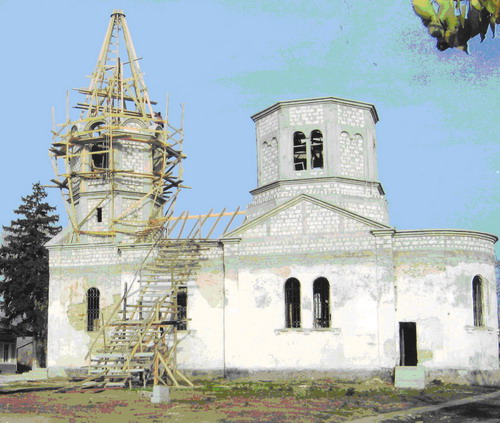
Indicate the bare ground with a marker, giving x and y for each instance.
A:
(224, 402)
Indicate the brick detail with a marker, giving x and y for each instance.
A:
(306, 115)
(352, 159)
(269, 161)
(267, 124)
(350, 116)
(344, 195)
(440, 242)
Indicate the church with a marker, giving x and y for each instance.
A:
(314, 282)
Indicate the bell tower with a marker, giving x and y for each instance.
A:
(324, 147)
(119, 164)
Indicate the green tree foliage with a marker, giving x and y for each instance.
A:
(24, 265)
(454, 22)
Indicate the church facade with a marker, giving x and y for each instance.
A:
(316, 280)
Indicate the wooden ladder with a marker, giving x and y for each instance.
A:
(143, 338)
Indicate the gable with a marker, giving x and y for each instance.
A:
(305, 215)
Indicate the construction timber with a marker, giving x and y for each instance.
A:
(91, 155)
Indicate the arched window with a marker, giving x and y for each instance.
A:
(321, 298)
(292, 303)
(182, 309)
(316, 149)
(478, 300)
(100, 156)
(93, 295)
(98, 151)
(299, 151)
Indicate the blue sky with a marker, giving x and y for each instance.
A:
(438, 146)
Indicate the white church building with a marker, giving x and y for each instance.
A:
(314, 282)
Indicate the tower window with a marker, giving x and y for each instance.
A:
(321, 298)
(182, 309)
(93, 295)
(99, 214)
(158, 160)
(316, 149)
(100, 156)
(478, 301)
(299, 151)
(292, 303)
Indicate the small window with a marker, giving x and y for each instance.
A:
(6, 355)
(316, 149)
(321, 298)
(93, 296)
(299, 151)
(99, 214)
(182, 309)
(292, 303)
(478, 300)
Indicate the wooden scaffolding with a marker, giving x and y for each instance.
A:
(110, 200)
(88, 153)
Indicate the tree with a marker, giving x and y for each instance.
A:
(24, 265)
(454, 22)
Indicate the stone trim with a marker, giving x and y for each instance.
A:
(473, 329)
(299, 181)
(307, 101)
(307, 331)
(446, 232)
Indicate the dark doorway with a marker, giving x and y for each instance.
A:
(408, 343)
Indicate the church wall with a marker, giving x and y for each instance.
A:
(434, 274)
(73, 270)
(306, 242)
(202, 344)
(257, 338)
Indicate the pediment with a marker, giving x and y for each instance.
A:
(302, 215)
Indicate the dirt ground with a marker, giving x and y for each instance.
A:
(223, 401)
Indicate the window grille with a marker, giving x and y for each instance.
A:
(182, 309)
(292, 303)
(321, 299)
(93, 295)
(477, 300)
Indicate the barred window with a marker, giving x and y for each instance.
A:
(93, 295)
(182, 309)
(292, 303)
(478, 300)
(321, 298)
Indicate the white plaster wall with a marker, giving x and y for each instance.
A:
(256, 337)
(73, 270)
(434, 289)
(202, 344)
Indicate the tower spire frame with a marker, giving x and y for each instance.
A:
(88, 153)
